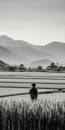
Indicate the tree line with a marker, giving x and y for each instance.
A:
(21, 68)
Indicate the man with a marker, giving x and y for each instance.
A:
(33, 92)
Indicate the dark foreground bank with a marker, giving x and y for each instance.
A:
(44, 115)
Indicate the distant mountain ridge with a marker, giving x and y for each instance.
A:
(10, 57)
(55, 48)
(18, 51)
(9, 42)
(42, 62)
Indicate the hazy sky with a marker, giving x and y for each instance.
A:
(35, 21)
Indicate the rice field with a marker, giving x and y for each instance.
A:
(36, 116)
(20, 82)
(18, 112)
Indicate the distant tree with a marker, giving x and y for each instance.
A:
(52, 65)
(22, 67)
(15, 68)
(30, 69)
(60, 68)
(11, 68)
(39, 68)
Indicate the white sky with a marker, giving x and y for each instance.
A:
(35, 21)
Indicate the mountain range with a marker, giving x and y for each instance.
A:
(18, 51)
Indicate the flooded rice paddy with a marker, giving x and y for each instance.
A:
(20, 82)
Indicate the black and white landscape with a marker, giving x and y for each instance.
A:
(32, 64)
(17, 52)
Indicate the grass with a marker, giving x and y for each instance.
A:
(41, 115)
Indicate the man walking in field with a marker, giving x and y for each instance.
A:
(33, 92)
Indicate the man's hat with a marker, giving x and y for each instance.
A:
(33, 84)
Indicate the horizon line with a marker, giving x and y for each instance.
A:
(16, 39)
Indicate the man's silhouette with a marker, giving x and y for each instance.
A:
(33, 92)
